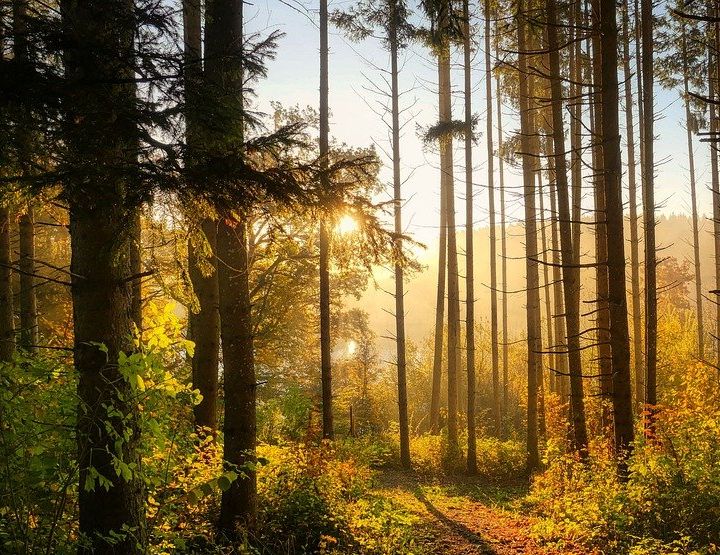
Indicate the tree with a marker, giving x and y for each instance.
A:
(648, 173)
(617, 296)
(570, 260)
(204, 321)
(325, 364)
(99, 131)
(534, 339)
(7, 331)
(493, 240)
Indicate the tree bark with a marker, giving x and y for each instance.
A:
(469, 248)
(534, 340)
(205, 331)
(495, 362)
(325, 342)
(648, 172)
(632, 204)
(570, 269)
(439, 319)
(238, 507)
(399, 285)
(612, 174)
(453, 327)
(693, 201)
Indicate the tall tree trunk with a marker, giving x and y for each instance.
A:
(570, 262)
(399, 286)
(238, 506)
(469, 248)
(560, 369)
(534, 340)
(224, 73)
(693, 201)
(548, 311)
(503, 265)
(453, 327)
(205, 331)
(439, 319)
(713, 57)
(7, 331)
(612, 175)
(204, 325)
(648, 172)
(632, 204)
(28, 298)
(497, 418)
(325, 344)
(101, 135)
(602, 314)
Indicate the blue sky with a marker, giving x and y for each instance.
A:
(293, 80)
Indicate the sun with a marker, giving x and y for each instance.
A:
(351, 347)
(347, 224)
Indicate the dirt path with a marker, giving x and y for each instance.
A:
(458, 522)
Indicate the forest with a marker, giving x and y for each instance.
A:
(364, 277)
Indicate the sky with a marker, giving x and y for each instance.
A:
(293, 79)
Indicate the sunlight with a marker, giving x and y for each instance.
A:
(346, 225)
(351, 347)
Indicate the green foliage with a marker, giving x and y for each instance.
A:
(671, 500)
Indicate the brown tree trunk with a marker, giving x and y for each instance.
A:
(560, 369)
(469, 248)
(503, 267)
(548, 311)
(136, 303)
(7, 331)
(204, 326)
(570, 261)
(97, 132)
(602, 314)
(325, 342)
(612, 174)
(495, 362)
(439, 319)
(399, 285)
(205, 331)
(28, 299)
(693, 201)
(632, 204)
(534, 339)
(453, 333)
(238, 507)
(648, 171)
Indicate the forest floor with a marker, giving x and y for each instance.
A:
(467, 517)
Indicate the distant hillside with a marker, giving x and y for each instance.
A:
(674, 238)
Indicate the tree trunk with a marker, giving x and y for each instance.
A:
(497, 417)
(693, 201)
(325, 365)
(560, 369)
(7, 331)
(399, 285)
(205, 325)
(602, 314)
(503, 266)
(28, 299)
(453, 328)
(238, 507)
(439, 319)
(713, 57)
(534, 340)
(612, 174)
(632, 203)
(648, 172)
(100, 133)
(205, 328)
(548, 312)
(469, 248)
(570, 261)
